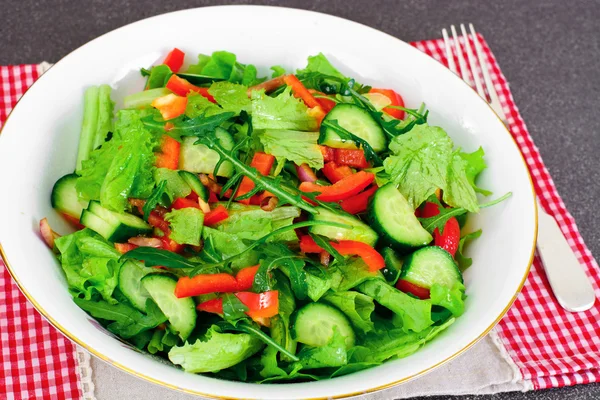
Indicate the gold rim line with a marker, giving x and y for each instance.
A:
(106, 359)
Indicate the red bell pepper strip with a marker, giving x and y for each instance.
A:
(450, 238)
(370, 256)
(336, 173)
(182, 87)
(300, 91)
(328, 153)
(181, 202)
(72, 220)
(215, 216)
(157, 221)
(171, 245)
(174, 59)
(124, 247)
(358, 203)
(216, 283)
(409, 287)
(396, 100)
(212, 197)
(341, 190)
(169, 153)
(326, 104)
(351, 158)
(317, 113)
(170, 106)
(263, 163)
(260, 305)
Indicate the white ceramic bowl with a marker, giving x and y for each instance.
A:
(39, 141)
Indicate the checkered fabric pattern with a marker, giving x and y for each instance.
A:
(36, 361)
(552, 347)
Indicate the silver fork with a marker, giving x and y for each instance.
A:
(570, 285)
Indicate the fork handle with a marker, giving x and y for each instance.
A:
(570, 285)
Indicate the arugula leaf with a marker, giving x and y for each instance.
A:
(231, 96)
(346, 135)
(415, 314)
(281, 112)
(154, 199)
(439, 221)
(451, 299)
(186, 225)
(357, 307)
(126, 321)
(475, 165)
(463, 261)
(296, 146)
(201, 125)
(233, 308)
(158, 257)
(277, 255)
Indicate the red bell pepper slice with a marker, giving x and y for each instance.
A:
(335, 173)
(300, 91)
(260, 305)
(215, 216)
(170, 106)
(181, 202)
(169, 153)
(182, 87)
(328, 153)
(347, 187)
(174, 59)
(370, 256)
(263, 163)
(216, 283)
(351, 158)
(409, 287)
(450, 238)
(396, 100)
(358, 203)
(326, 103)
(317, 113)
(124, 247)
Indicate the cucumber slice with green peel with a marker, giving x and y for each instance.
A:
(130, 283)
(198, 158)
(431, 265)
(357, 121)
(360, 231)
(393, 265)
(395, 221)
(194, 183)
(64, 197)
(181, 313)
(113, 226)
(314, 325)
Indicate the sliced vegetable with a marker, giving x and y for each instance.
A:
(170, 106)
(358, 203)
(450, 237)
(174, 59)
(315, 325)
(396, 100)
(263, 163)
(47, 233)
(370, 256)
(335, 172)
(351, 158)
(356, 120)
(260, 305)
(64, 197)
(216, 283)
(360, 231)
(168, 157)
(181, 87)
(343, 189)
(300, 91)
(429, 266)
(215, 216)
(408, 287)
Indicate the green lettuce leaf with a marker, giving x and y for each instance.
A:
(320, 64)
(281, 112)
(200, 106)
(451, 299)
(463, 261)
(122, 167)
(90, 264)
(215, 351)
(278, 70)
(351, 274)
(252, 222)
(227, 245)
(357, 307)
(175, 186)
(333, 354)
(159, 75)
(475, 165)
(162, 340)
(458, 191)
(298, 147)
(223, 65)
(231, 96)
(186, 225)
(414, 314)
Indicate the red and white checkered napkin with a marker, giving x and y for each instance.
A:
(552, 347)
(36, 361)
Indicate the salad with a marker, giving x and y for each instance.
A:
(291, 228)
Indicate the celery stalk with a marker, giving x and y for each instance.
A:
(145, 98)
(105, 116)
(88, 128)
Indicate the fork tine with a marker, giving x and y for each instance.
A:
(495, 101)
(472, 62)
(451, 64)
(461, 60)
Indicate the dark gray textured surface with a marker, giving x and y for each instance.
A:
(548, 51)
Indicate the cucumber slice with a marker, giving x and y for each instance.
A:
(194, 183)
(200, 159)
(356, 120)
(130, 283)
(393, 265)
(111, 225)
(176, 185)
(360, 231)
(313, 325)
(64, 197)
(431, 265)
(394, 219)
(181, 313)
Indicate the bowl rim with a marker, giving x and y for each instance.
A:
(159, 382)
